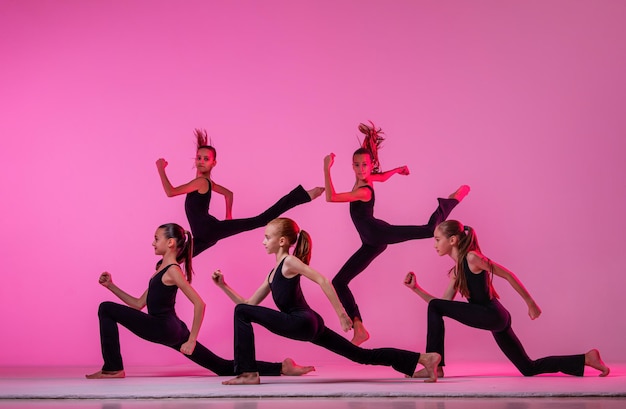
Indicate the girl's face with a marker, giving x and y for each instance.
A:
(205, 160)
(443, 244)
(272, 241)
(160, 242)
(362, 166)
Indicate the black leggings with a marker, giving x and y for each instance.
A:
(307, 325)
(375, 241)
(495, 318)
(166, 330)
(207, 230)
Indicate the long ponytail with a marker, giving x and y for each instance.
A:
(303, 248)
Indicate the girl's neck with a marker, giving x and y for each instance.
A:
(206, 174)
(169, 258)
(362, 182)
(281, 254)
(454, 254)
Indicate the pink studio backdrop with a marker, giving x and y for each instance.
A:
(522, 100)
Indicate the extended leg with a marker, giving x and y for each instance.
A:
(390, 234)
(227, 228)
(513, 349)
(400, 360)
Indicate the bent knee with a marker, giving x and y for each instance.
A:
(243, 310)
(105, 307)
(336, 282)
(435, 304)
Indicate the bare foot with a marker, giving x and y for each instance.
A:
(360, 333)
(592, 359)
(315, 192)
(431, 369)
(246, 378)
(460, 193)
(291, 368)
(107, 375)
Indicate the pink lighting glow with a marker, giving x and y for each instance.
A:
(523, 101)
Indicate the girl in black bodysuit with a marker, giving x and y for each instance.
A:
(161, 324)
(472, 276)
(375, 234)
(295, 319)
(208, 230)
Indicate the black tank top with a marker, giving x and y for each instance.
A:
(197, 205)
(362, 213)
(286, 292)
(161, 298)
(477, 284)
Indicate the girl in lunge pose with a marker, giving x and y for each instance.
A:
(295, 319)
(375, 234)
(472, 277)
(161, 324)
(208, 230)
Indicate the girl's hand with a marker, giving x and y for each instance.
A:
(329, 160)
(188, 347)
(218, 278)
(161, 163)
(105, 279)
(403, 170)
(410, 280)
(533, 310)
(346, 322)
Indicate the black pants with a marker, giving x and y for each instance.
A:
(207, 230)
(495, 318)
(375, 241)
(307, 325)
(166, 330)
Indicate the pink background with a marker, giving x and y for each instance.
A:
(522, 100)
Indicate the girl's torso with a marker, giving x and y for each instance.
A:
(161, 298)
(478, 285)
(197, 205)
(286, 292)
(360, 211)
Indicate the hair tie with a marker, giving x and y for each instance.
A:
(466, 228)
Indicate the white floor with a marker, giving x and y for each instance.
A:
(346, 386)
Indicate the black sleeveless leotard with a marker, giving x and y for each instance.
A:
(161, 298)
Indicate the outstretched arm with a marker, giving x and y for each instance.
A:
(332, 195)
(170, 190)
(174, 276)
(410, 281)
(293, 266)
(137, 303)
(228, 197)
(258, 296)
(478, 261)
(384, 176)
